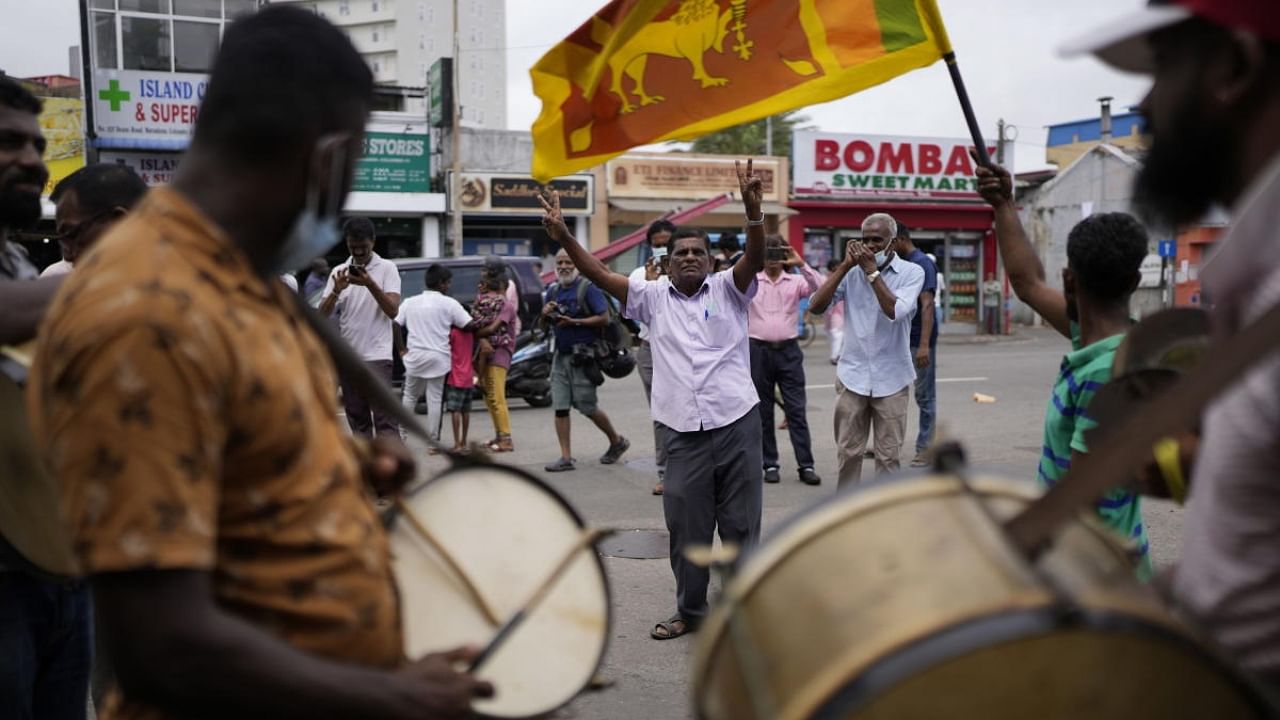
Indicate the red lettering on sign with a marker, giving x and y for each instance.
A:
(958, 163)
(930, 159)
(826, 155)
(858, 156)
(174, 113)
(895, 161)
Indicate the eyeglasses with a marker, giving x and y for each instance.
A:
(70, 235)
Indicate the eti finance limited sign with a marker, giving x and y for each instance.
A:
(146, 110)
(843, 165)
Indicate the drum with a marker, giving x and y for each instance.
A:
(504, 533)
(903, 599)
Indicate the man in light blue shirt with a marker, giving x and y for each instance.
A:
(875, 370)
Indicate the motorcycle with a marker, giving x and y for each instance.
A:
(530, 374)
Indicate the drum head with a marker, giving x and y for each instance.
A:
(507, 531)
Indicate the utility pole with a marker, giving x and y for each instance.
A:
(453, 243)
(768, 135)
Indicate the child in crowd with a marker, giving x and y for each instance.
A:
(488, 307)
(460, 384)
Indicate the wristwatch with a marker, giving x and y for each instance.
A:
(872, 277)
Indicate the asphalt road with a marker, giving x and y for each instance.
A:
(650, 678)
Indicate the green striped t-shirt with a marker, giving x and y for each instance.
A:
(1084, 371)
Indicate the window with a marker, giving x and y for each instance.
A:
(198, 8)
(377, 67)
(146, 43)
(103, 4)
(104, 40)
(374, 33)
(236, 8)
(375, 5)
(344, 8)
(422, 41)
(148, 6)
(194, 45)
(422, 11)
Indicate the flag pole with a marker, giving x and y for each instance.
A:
(975, 132)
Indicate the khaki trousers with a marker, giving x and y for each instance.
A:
(855, 416)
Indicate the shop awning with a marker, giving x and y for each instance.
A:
(644, 205)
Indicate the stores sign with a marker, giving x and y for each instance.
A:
(518, 194)
(845, 165)
(151, 110)
(394, 162)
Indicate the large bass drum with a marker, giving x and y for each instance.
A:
(504, 533)
(903, 600)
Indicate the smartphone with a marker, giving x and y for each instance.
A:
(775, 253)
(356, 270)
(659, 253)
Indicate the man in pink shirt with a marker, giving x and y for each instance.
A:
(776, 357)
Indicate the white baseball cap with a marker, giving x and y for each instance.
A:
(1122, 43)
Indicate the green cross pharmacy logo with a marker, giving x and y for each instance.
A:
(114, 95)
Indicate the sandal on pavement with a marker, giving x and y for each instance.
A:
(501, 444)
(671, 629)
(657, 489)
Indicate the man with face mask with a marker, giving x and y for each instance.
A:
(1214, 118)
(702, 391)
(365, 293)
(217, 505)
(577, 310)
(87, 203)
(1092, 310)
(875, 370)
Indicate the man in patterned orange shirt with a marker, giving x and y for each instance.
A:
(187, 412)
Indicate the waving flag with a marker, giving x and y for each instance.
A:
(644, 71)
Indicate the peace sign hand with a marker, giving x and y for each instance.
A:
(553, 218)
(752, 188)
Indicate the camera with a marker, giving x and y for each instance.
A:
(776, 253)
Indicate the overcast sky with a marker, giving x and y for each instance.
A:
(1007, 51)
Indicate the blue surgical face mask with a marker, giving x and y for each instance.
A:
(312, 235)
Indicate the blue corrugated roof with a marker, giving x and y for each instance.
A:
(1091, 129)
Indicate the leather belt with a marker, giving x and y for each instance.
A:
(774, 345)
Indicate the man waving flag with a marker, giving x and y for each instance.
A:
(644, 71)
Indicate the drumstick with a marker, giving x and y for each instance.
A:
(589, 537)
(476, 598)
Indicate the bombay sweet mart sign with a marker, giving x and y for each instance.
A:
(844, 165)
(146, 110)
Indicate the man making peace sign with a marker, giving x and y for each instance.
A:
(702, 389)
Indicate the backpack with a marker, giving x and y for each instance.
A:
(613, 349)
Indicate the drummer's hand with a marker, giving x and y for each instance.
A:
(387, 465)
(442, 691)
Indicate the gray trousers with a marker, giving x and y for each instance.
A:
(714, 480)
(644, 362)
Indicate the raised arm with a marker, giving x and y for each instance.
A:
(752, 260)
(1026, 273)
(821, 298)
(591, 268)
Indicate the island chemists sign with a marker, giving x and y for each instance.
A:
(835, 165)
(147, 110)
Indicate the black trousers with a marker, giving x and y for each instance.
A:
(781, 367)
(713, 485)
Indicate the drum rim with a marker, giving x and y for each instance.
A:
(957, 640)
(764, 559)
(546, 488)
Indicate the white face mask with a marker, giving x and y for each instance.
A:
(312, 235)
(882, 257)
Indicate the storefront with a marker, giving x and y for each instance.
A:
(926, 184)
(645, 186)
(501, 214)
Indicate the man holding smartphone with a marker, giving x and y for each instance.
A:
(658, 236)
(875, 370)
(776, 358)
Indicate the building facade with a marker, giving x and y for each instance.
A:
(400, 39)
(1068, 141)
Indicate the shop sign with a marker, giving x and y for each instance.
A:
(153, 168)
(518, 194)
(62, 122)
(440, 92)
(394, 162)
(840, 165)
(685, 176)
(133, 108)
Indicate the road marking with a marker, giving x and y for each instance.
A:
(829, 386)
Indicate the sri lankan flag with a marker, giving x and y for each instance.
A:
(644, 71)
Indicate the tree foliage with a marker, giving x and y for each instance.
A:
(749, 138)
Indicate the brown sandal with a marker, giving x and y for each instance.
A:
(501, 444)
(672, 628)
